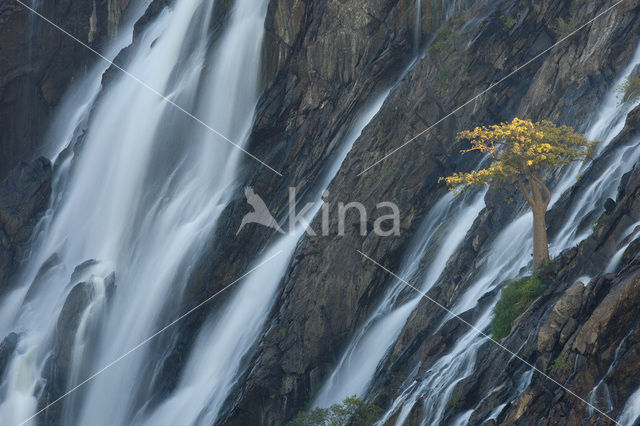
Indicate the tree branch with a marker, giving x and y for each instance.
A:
(535, 189)
(545, 188)
(525, 192)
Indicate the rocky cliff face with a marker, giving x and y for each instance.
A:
(582, 333)
(322, 61)
(321, 310)
(24, 197)
(37, 63)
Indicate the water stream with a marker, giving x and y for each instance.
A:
(138, 196)
(509, 253)
(214, 364)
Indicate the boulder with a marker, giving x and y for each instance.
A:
(565, 309)
(609, 205)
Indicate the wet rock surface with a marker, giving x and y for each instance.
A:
(37, 63)
(7, 347)
(78, 308)
(321, 310)
(323, 61)
(24, 197)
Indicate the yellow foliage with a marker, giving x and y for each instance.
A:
(520, 149)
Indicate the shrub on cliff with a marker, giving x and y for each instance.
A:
(352, 411)
(514, 299)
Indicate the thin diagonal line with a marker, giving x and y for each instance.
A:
(147, 340)
(154, 91)
(483, 334)
(489, 88)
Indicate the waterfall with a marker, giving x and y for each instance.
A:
(137, 195)
(359, 363)
(135, 170)
(631, 411)
(214, 364)
(507, 256)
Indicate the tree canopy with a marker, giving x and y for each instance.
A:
(520, 149)
(523, 153)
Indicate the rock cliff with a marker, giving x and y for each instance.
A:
(323, 61)
(321, 310)
(38, 61)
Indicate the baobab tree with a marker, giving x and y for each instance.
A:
(523, 153)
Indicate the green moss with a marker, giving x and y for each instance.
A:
(380, 132)
(283, 332)
(514, 300)
(563, 28)
(559, 365)
(436, 47)
(459, 20)
(507, 21)
(455, 398)
(351, 411)
(443, 75)
(445, 31)
(629, 90)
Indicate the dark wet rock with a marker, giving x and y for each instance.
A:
(47, 270)
(322, 309)
(38, 62)
(59, 365)
(68, 321)
(560, 322)
(24, 197)
(7, 347)
(80, 272)
(110, 285)
(609, 205)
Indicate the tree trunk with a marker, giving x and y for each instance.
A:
(540, 243)
(538, 203)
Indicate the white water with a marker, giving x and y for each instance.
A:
(215, 362)
(509, 253)
(134, 173)
(631, 411)
(361, 359)
(141, 197)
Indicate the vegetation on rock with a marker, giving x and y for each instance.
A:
(563, 28)
(629, 90)
(352, 411)
(559, 365)
(515, 298)
(523, 153)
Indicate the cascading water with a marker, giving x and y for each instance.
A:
(508, 255)
(506, 258)
(135, 170)
(631, 411)
(359, 362)
(215, 362)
